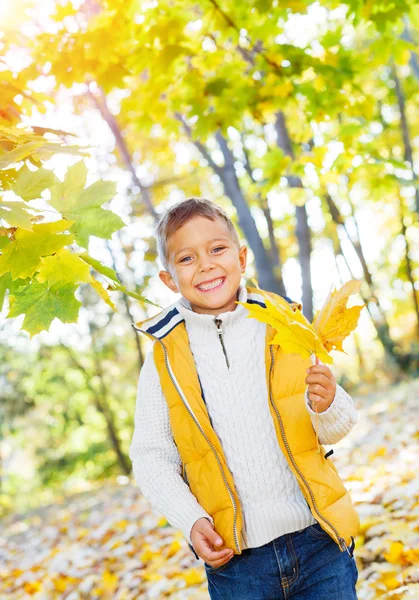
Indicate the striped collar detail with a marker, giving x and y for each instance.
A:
(255, 298)
(163, 323)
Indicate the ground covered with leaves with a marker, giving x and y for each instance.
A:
(108, 544)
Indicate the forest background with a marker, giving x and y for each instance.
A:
(300, 118)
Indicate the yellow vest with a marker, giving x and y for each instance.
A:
(204, 464)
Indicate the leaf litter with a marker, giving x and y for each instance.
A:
(107, 543)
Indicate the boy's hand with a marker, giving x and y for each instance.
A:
(204, 540)
(321, 386)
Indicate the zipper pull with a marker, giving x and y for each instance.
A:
(218, 324)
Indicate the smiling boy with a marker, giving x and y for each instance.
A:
(224, 444)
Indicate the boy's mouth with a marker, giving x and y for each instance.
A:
(210, 286)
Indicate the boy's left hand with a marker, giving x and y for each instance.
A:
(321, 386)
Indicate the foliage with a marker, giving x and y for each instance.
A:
(107, 542)
(42, 264)
(175, 69)
(52, 425)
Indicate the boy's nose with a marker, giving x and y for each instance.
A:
(206, 265)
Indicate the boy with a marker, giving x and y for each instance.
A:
(224, 444)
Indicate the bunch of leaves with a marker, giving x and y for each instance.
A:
(332, 324)
(42, 264)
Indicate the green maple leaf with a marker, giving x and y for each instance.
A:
(83, 205)
(95, 221)
(5, 283)
(42, 302)
(64, 193)
(65, 267)
(29, 184)
(23, 256)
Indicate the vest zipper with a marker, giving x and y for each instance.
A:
(179, 391)
(184, 474)
(188, 408)
(218, 324)
(342, 542)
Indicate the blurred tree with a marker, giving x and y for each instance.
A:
(233, 90)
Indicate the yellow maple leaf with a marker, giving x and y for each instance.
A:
(32, 587)
(109, 580)
(395, 552)
(192, 576)
(334, 322)
(293, 331)
(61, 583)
(174, 548)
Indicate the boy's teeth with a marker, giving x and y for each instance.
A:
(208, 286)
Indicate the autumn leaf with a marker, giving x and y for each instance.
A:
(296, 335)
(42, 302)
(293, 331)
(23, 256)
(63, 266)
(83, 205)
(334, 322)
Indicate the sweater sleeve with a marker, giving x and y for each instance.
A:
(337, 421)
(156, 462)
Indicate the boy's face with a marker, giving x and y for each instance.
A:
(202, 252)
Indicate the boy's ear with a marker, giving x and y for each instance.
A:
(168, 280)
(243, 258)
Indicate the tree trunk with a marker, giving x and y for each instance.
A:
(409, 267)
(102, 405)
(274, 249)
(408, 152)
(273, 246)
(361, 362)
(302, 231)
(127, 304)
(100, 400)
(232, 189)
(228, 175)
(372, 302)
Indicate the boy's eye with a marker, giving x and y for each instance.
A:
(184, 258)
(219, 248)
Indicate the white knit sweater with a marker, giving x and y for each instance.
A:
(237, 402)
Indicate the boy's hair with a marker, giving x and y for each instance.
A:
(181, 213)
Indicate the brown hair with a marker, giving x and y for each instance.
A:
(181, 213)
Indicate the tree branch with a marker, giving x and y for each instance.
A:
(120, 142)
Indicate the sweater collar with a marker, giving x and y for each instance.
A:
(161, 325)
(201, 328)
(201, 320)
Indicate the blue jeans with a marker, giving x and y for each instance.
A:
(303, 565)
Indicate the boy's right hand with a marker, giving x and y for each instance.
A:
(205, 540)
